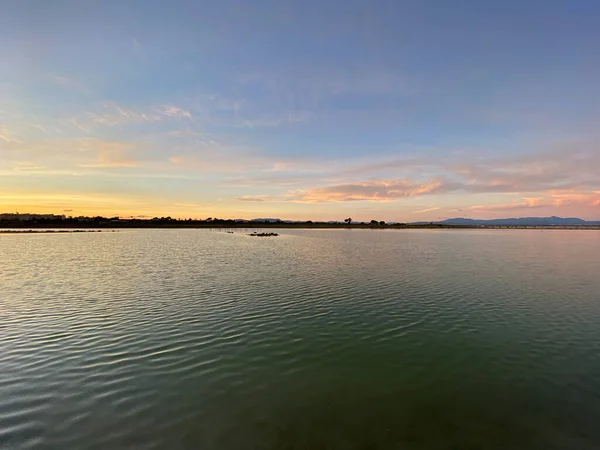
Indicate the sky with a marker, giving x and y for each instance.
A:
(396, 110)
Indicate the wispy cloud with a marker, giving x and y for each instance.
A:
(552, 199)
(271, 122)
(62, 197)
(111, 114)
(189, 205)
(112, 153)
(71, 155)
(318, 83)
(252, 113)
(135, 44)
(67, 83)
(514, 206)
(6, 135)
(174, 112)
(215, 157)
(252, 198)
(379, 191)
(75, 123)
(39, 128)
(375, 191)
(426, 210)
(546, 179)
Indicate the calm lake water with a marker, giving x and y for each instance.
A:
(316, 339)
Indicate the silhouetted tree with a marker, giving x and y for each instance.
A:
(382, 223)
(348, 220)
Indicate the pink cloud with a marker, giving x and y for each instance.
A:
(377, 191)
(589, 199)
(550, 199)
(426, 210)
(252, 198)
(111, 154)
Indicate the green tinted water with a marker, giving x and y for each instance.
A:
(344, 339)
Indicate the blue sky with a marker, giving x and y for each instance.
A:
(393, 110)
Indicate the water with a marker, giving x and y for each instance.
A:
(317, 339)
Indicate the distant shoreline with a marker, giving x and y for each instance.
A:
(45, 230)
(15, 228)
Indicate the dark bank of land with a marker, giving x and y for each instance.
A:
(61, 222)
(4, 231)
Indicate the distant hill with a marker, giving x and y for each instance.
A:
(523, 221)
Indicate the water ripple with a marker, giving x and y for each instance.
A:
(321, 339)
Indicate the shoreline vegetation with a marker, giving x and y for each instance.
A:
(79, 224)
(2, 231)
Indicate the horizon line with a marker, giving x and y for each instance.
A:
(276, 219)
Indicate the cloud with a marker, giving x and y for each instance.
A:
(68, 83)
(26, 166)
(270, 122)
(567, 166)
(549, 179)
(518, 205)
(112, 153)
(178, 147)
(200, 113)
(284, 98)
(319, 83)
(111, 114)
(189, 205)
(215, 157)
(174, 112)
(430, 209)
(251, 112)
(6, 135)
(552, 199)
(73, 122)
(589, 198)
(39, 127)
(375, 191)
(58, 198)
(265, 178)
(135, 44)
(72, 155)
(251, 198)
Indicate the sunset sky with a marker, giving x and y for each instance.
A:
(390, 110)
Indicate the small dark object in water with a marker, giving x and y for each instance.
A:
(263, 234)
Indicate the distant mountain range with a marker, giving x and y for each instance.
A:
(512, 221)
(524, 221)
